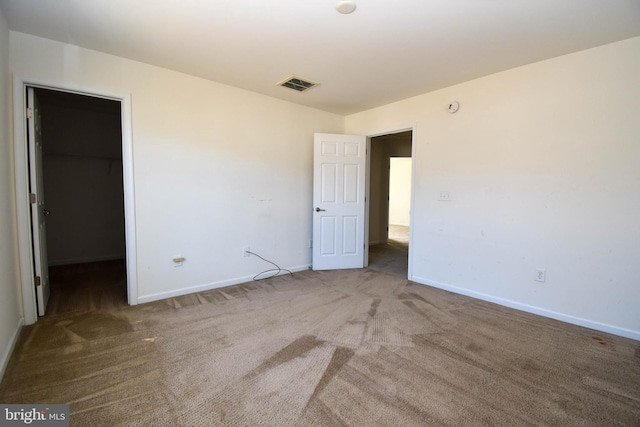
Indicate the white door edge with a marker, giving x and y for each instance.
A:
(367, 202)
(23, 205)
(38, 204)
(412, 203)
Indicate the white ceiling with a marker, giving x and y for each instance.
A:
(385, 51)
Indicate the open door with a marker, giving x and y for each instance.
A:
(339, 167)
(38, 211)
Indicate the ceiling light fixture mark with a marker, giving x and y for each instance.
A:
(345, 6)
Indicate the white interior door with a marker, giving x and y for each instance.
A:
(38, 211)
(339, 166)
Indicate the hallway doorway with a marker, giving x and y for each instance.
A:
(390, 200)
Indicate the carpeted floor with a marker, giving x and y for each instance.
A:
(392, 256)
(332, 348)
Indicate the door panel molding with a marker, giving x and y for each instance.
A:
(339, 203)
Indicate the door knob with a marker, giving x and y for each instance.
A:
(46, 212)
(320, 210)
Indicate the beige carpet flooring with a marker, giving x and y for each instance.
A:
(333, 348)
(392, 256)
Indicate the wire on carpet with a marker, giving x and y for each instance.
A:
(274, 271)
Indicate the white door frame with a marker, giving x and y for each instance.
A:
(23, 206)
(412, 128)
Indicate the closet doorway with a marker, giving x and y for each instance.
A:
(83, 187)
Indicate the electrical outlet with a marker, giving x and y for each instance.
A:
(444, 196)
(246, 251)
(310, 243)
(541, 275)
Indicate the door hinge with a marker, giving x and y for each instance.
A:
(29, 113)
(38, 281)
(33, 198)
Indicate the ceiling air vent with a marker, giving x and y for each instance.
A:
(297, 83)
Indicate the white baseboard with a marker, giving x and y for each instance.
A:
(209, 286)
(6, 355)
(53, 263)
(602, 327)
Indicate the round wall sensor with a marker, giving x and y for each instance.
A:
(453, 107)
(345, 6)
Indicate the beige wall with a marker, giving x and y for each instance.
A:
(10, 306)
(542, 166)
(216, 168)
(400, 191)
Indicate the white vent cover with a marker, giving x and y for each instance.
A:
(297, 83)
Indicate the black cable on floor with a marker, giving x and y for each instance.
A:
(277, 269)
